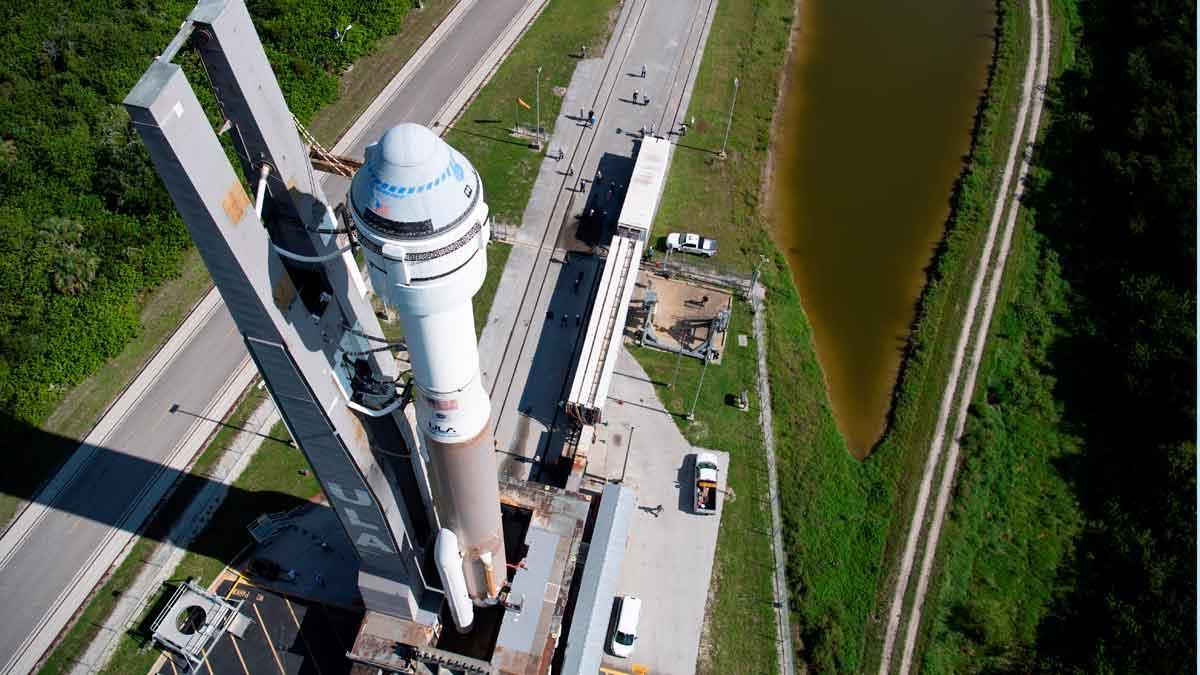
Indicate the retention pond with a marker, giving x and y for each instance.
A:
(875, 124)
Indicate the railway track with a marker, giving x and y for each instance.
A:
(605, 97)
(925, 526)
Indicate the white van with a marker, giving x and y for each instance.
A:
(626, 633)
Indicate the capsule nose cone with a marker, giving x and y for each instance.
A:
(408, 145)
(413, 185)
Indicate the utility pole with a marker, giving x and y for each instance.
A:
(692, 414)
(537, 94)
(729, 124)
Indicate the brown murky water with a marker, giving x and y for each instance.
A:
(876, 121)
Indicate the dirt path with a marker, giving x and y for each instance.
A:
(1007, 200)
(786, 650)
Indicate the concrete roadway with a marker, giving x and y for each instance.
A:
(521, 339)
(53, 553)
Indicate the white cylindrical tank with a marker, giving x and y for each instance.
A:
(417, 205)
(449, 561)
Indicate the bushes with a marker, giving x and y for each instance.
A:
(85, 226)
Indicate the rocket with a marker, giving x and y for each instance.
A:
(417, 206)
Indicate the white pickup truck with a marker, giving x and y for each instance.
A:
(691, 243)
(705, 499)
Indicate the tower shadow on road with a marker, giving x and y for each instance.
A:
(104, 488)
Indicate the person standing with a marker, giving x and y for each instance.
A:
(635, 95)
(643, 71)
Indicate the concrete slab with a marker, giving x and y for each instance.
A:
(669, 560)
(287, 636)
(527, 357)
(682, 313)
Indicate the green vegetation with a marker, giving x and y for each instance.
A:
(835, 509)
(742, 623)
(372, 72)
(1014, 518)
(902, 452)
(748, 41)
(86, 230)
(102, 603)
(1086, 425)
(271, 482)
(484, 131)
(86, 224)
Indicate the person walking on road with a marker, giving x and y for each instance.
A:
(643, 71)
(571, 169)
(635, 98)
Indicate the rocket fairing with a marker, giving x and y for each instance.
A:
(418, 207)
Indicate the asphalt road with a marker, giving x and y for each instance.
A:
(41, 563)
(44, 562)
(424, 95)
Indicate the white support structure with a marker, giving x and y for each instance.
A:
(645, 188)
(606, 323)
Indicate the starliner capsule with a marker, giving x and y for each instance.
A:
(418, 207)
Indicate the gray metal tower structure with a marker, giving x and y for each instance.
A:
(283, 265)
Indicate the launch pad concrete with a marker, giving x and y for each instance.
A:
(669, 560)
(682, 315)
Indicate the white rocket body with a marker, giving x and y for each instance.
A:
(449, 561)
(417, 205)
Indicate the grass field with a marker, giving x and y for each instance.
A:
(482, 133)
(161, 313)
(103, 601)
(1013, 517)
(932, 343)
(721, 198)
(742, 624)
(271, 482)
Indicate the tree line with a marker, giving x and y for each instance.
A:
(1117, 206)
(1077, 496)
(86, 229)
